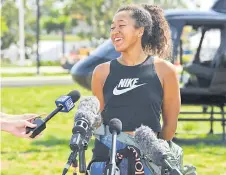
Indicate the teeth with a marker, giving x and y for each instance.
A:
(117, 39)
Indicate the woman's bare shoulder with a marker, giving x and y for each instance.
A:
(101, 72)
(101, 68)
(165, 67)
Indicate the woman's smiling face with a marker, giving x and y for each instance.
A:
(123, 31)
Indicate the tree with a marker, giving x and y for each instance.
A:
(9, 12)
(9, 18)
(57, 20)
(4, 27)
(98, 13)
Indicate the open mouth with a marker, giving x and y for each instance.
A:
(118, 41)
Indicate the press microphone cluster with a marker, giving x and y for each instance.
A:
(155, 149)
(64, 104)
(87, 118)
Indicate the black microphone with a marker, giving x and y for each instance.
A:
(115, 127)
(63, 103)
(154, 149)
(87, 119)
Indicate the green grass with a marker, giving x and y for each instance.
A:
(49, 153)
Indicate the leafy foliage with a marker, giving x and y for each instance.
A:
(63, 15)
(10, 13)
(56, 21)
(4, 27)
(97, 14)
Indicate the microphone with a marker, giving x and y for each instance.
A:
(115, 127)
(63, 103)
(154, 149)
(87, 118)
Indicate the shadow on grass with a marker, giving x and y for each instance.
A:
(54, 141)
(207, 139)
(51, 141)
(25, 152)
(181, 139)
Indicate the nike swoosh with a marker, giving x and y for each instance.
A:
(122, 91)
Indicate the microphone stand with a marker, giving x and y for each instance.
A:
(72, 160)
(82, 162)
(111, 168)
(75, 166)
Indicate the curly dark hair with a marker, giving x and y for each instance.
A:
(156, 39)
(161, 36)
(142, 19)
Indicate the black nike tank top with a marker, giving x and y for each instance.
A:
(134, 95)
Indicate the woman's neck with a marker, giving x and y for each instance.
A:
(133, 57)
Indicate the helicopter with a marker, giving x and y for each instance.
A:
(203, 68)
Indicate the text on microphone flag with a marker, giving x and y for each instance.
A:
(66, 102)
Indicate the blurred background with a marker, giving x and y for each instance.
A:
(51, 32)
(40, 42)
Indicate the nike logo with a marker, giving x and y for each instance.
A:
(127, 84)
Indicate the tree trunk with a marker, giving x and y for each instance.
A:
(63, 41)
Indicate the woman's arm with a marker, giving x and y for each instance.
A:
(98, 79)
(171, 101)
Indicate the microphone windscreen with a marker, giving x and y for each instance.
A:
(115, 125)
(89, 103)
(75, 95)
(94, 120)
(144, 132)
(88, 108)
(153, 148)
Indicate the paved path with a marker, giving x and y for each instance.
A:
(42, 69)
(36, 81)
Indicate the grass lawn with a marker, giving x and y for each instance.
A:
(49, 153)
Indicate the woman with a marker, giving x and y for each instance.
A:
(139, 85)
